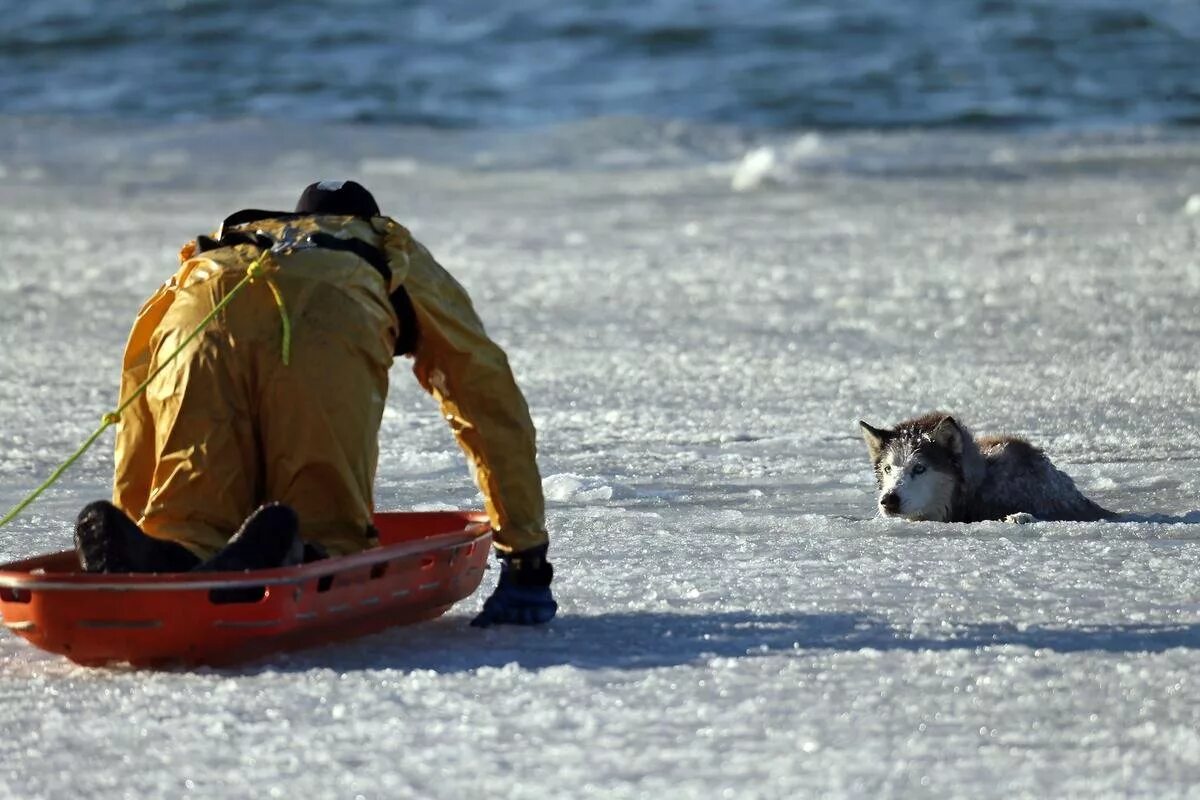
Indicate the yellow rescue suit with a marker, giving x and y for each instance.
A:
(229, 426)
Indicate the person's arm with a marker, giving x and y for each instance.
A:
(469, 375)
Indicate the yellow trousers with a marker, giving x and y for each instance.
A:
(228, 426)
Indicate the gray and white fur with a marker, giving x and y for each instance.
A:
(932, 468)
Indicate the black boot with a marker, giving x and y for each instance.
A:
(314, 552)
(270, 537)
(106, 540)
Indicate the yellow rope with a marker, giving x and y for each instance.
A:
(54, 476)
(285, 322)
(253, 271)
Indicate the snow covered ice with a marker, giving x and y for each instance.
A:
(698, 317)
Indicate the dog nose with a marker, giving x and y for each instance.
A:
(890, 502)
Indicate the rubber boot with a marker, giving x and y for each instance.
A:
(269, 538)
(106, 540)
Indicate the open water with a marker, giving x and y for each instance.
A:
(767, 63)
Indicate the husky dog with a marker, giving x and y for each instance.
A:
(932, 468)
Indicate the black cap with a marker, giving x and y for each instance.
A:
(337, 197)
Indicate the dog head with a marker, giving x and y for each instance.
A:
(917, 467)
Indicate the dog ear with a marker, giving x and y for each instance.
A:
(876, 439)
(947, 434)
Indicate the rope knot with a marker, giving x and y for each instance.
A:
(111, 418)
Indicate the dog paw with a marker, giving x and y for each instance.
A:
(1020, 518)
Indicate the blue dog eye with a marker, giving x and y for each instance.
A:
(918, 469)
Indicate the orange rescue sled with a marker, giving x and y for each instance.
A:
(426, 562)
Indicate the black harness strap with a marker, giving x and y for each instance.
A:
(255, 215)
(259, 240)
(406, 341)
(372, 255)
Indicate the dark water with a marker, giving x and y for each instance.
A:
(464, 63)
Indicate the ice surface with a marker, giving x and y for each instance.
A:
(734, 624)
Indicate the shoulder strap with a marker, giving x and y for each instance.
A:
(406, 342)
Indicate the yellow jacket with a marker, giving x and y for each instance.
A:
(172, 473)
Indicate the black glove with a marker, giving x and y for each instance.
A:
(522, 596)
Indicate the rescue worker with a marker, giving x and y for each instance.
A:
(257, 446)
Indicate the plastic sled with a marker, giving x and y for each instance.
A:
(426, 562)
